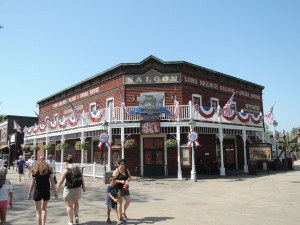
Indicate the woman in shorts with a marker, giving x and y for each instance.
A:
(40, 184)
(123, 177)
(71, 195)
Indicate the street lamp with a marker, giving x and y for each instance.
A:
(8, 144)
(105, 129)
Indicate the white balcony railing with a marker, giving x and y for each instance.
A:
(119, 115)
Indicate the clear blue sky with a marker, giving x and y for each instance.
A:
(46, 46)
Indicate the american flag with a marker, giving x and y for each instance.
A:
(123, 105)
(226, 110)
(75, 112)
(17, 127)
(270, 116)
(176, 106)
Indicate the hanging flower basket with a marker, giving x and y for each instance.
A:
(48, 147)
(34, 148)
(61, 146)
(171, 143)
(84, 145)
(130, 143)
(26, 148)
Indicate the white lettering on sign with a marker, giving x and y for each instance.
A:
(208, 84)
(252, 107)
(94, 90)
(78, 96)
(244, 93)
(226, 89)
(141, 79)
(216, 86)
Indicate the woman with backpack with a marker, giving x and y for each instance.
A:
(74, 185)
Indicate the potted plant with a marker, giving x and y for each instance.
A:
(171, 143)
(61, 146)
(130, 143)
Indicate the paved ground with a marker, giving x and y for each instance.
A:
(262, 199)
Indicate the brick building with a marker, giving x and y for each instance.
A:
(11, 141)
(137, 102)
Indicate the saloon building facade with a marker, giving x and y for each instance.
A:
(162, 117)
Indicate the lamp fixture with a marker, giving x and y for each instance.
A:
(134, 99)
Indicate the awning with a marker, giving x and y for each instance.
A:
(3, 147)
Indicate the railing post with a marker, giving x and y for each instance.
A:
(94, 170)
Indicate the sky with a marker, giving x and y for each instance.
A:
(47, 46)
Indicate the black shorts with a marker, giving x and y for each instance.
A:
(39, 195)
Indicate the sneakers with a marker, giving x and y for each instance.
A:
(108, 221)
(76, 220)
(70, 223)
(124, 217)
(119, 222)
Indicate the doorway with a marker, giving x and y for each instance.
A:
(154, 156)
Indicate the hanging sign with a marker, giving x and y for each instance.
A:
(103, 140)
(193, 138)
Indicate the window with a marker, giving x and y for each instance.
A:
(47, 119)
(233, 106)
(93, 106)
(197, 99)
(214, 102)
(56, 117)
(109, 101)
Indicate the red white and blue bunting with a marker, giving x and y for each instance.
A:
(35, 128)
(205, 111)
(62, 122)
(95, 115)
(28, 130)
(256, 118)
(103, 140)
(231, 117)
(193, 139)
(243, 117)
(42, 127)
(53, 124)
(72, 120)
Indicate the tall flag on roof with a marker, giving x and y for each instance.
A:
(17, 127)
(270, 116)
(39, 118)
(123, 105)
(74, 110)
(226, 110)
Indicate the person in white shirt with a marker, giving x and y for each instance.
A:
(1, 163)
(30, 163)
(51, 163)
(6, 194)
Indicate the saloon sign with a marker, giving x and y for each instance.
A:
(152, 76)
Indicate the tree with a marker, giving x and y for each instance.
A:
(267, 130)
(295, 131)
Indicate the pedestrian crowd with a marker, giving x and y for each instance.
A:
(43, 180)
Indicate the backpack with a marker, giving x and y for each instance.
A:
(74, 178)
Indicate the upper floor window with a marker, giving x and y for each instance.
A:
(197, 99)
(109, 101)
(214, 102)
(55, 117)
(233, 106)
(93, 106)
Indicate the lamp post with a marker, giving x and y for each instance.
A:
(285, 147)
(104, 129)
(8, 144)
